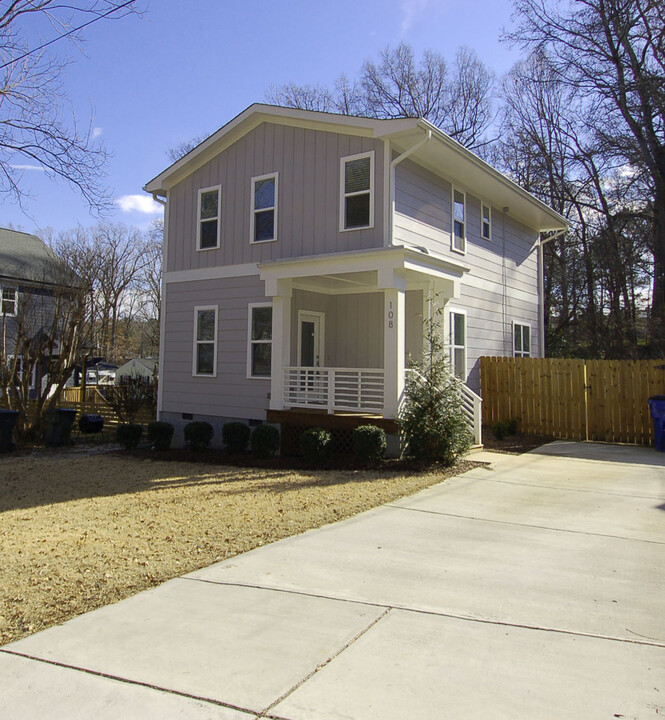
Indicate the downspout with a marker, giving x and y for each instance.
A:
(162, 309)
(393, 164)
(541, 285)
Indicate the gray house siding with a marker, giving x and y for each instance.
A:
(308, 166)
(502, 285)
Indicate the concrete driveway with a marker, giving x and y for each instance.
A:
(534, 589)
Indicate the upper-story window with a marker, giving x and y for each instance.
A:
(9, 298)
(486, 221)
(264, 208)
(357, 192)
(208, 222)
(459, 221)
(205, 340)
(522, 340)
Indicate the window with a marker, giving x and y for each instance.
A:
(486, 222)
(208, 230)
(205, 341)
(459, 221)
(457, 329)
(259, 351)
(356, 201)
(9, 300)
(264, 208)
(522, 340)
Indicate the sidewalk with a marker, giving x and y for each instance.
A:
(533, 590)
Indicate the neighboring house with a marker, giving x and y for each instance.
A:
(30, 276)
(101, 373)
(302, 248)
(137, 367)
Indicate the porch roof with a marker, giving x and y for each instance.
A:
(361, 271)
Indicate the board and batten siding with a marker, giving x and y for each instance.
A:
(308, 166)
(502, 285)
(230, 394)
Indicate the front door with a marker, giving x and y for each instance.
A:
(310, 338)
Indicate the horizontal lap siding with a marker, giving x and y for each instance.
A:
(423, 207)
(308, 166)
(230, 394)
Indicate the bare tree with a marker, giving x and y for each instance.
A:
(38, 128)
(612, 51)
(149, 283)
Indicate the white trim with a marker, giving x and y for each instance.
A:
(162, 311)
(196, 341)
(522, 324)
(253, 210)
(343, 195)
(212, 273)
(250, 342)
(484, 207)
(218, 219)
(321, 340)
(453, 190)
(2, 300)
(449, 330)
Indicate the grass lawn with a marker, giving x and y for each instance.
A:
(81, 531)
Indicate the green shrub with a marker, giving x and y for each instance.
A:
(129, 435)
(511, 426)
(431, 421)
(369, 443)
(265, 440)
(160, 434)
(500, 429)
(198, 434)
(235, 436)
(315, 445)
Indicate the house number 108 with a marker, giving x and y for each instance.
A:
(391, 314)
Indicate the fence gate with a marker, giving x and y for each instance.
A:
(603, 400)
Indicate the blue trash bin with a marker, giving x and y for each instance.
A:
(657, 408)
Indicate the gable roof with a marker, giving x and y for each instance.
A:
(26, 257)
(440, 154)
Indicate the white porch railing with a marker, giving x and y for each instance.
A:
(472, 407)
(346, 389)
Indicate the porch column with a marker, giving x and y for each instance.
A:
(393, 342)
(281, 339)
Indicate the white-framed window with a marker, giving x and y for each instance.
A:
(9, 301)
(263, 219)
(457, 342)
(205, 341)
(522, 340)
(259, 340)
(459, 221)
(356, 192)
(209, 224)
(485, 221)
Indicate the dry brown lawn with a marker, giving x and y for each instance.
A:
(79, 532)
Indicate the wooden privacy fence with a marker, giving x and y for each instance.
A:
(602, 400)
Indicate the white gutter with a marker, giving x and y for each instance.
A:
(393, 165)
(162, 309)
(541, 285)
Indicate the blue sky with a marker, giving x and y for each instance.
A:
(189, 66)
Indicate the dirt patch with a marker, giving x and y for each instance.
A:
(515, 444)
(81, 531)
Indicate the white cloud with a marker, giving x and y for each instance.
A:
(38, 168)
(412, 10)
(96, 132)
(139, 203)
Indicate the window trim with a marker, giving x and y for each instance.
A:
(196, 341)
(483, 207)
(253, 209)
(218, 188)
(453, 190)
(521, 324)
(343, 195)
(2, 300)
(451, 344)
(250, 342)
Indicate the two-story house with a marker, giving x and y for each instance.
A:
(302, 250)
